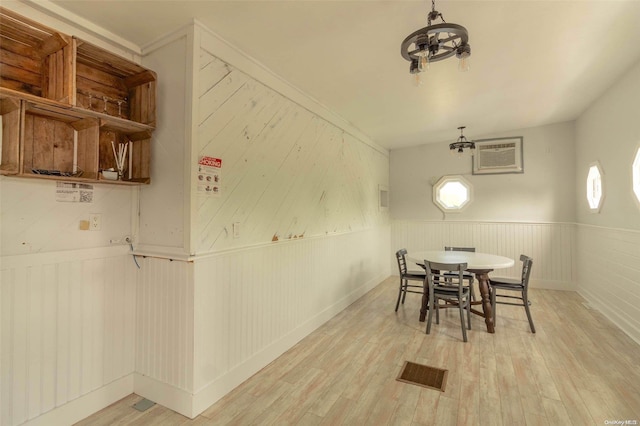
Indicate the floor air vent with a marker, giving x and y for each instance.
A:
(423, 375)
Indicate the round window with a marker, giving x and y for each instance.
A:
(452, 193)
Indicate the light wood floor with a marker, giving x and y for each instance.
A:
(577, 369)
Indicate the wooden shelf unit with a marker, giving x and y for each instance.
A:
(138, 157)
(63, 101)
(58, 141)
(36, 60)
(114, 86)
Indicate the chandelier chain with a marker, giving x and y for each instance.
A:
(434, 14)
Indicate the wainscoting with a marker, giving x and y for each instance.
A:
(164, 326)
(551, 245)
(242, 309)
(608, 273)
(67, 333)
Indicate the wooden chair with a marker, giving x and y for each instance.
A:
(516, 285)
(467, 275)
(449, 288)
(406, 276)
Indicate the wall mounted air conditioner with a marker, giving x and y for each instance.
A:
(502, 155)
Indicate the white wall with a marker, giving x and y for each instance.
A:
(609, 132)
(33, 221)
(608, 242)
(164, 205)
(543, 193)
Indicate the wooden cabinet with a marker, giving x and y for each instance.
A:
(66, 104)
(114, 86)
(36, 60)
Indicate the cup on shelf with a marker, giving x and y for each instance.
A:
(110, 174)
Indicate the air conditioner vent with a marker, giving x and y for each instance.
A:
(497, 156)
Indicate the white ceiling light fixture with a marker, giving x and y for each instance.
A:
(434, 43)
(462, 143)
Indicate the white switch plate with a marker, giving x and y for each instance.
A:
(95, 222)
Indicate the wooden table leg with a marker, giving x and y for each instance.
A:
(425, 304)
(483, 280)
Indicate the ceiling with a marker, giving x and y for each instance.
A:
(532, 63)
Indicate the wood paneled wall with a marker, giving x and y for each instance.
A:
(254, 304)
(287, 173)
(608, 273)
(164, 326)
(551, 245)
(67, 329)
(205, 326)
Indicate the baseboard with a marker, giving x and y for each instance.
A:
(209, 394)
(86, 405)
(612, 315)
(176, 399)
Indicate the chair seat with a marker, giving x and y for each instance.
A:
(415, 274)
(449, 289)
(505, 282)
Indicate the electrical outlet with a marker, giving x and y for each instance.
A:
(95, 222)
(236, 229)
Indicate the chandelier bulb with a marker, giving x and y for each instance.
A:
(463, 53)
(463, 64)
(424, 63)
(417, 79)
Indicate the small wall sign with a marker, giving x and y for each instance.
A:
(72, 192)
(208, 175)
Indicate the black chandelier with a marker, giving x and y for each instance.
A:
(461, 143)
(434, 43)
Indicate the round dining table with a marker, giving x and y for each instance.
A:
(478, 263)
